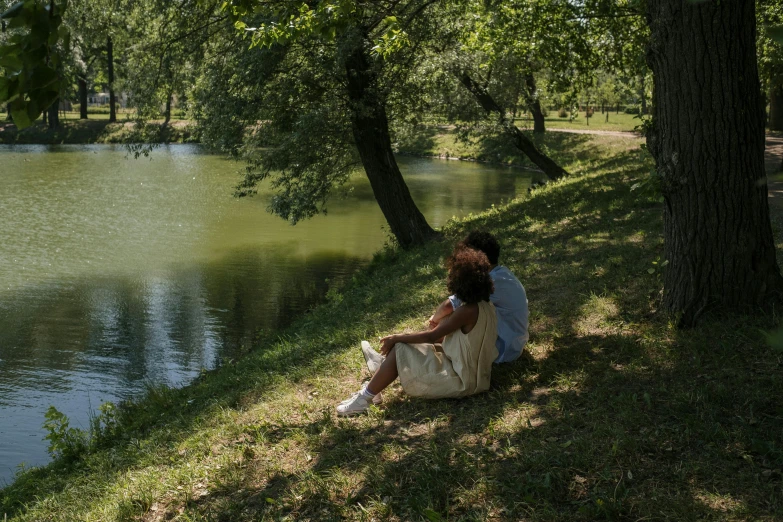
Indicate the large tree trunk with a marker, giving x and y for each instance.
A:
(776, 108)
(54, 115)
(518, 138)
(82, 98)
(533, 104)
(112, 99)
(371, 134)
(708, 143)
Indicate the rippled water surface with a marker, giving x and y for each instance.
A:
(116, 272)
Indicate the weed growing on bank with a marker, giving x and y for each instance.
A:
(613, 414)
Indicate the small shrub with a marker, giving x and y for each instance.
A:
(589, 112)
(64, 441)
(562, 113)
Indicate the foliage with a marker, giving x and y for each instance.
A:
(64, 441)
(280, 87)
(769, 18)
(31, 58)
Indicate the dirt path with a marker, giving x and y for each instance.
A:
(621, 134)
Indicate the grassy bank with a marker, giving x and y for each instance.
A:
(612, 415)
(97, 131)
(443, 141)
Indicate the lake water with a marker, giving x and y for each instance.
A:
(118, 272)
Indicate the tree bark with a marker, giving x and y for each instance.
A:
(776, 108)
(167, 114)
(643, 94)
(112, 99)
(518, 138)
(82, 98)
(54, 115)
(707, 139)
(533, 104)
(371, 133)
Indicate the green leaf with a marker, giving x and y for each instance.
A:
(432, 516)
(19, 114)
(11, 62)
(43, 77)
(5, 86)
(650, 270)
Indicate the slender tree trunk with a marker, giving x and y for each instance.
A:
(54, 115)
(776, 108)
(643, 93)
(167, 114)
(533, 104)
(518, 138)
(371, 134)
(717, 234)
(82, 98)
(112, 99)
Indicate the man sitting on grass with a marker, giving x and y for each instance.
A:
(508, 297)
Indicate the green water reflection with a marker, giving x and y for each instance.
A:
(115, 272)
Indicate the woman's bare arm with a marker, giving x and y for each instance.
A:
(463, 316)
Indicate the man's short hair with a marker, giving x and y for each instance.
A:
(485, 242)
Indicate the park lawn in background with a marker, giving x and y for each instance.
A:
(612, 414)
(621, 122)
(97, 130)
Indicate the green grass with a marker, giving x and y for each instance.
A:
(618, 122)
(97, 130)
(613, 415)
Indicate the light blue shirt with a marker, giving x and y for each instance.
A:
(510, 302)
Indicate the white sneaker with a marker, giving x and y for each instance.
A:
(372, 358)
(354, 405)
(375, 400)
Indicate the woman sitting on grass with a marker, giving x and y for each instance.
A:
(464, 363)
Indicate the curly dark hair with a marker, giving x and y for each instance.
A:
(485, 242)
(468, 275)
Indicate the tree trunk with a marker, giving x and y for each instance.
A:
(371, 134)
(533, 104)
(82, 98)
(717, 234)
(112, 99)
(167, 114)
(54, 115)
(643, 94)
(522, 142)
(776, 108)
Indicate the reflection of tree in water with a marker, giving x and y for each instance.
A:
(164, 327)
(268, 296)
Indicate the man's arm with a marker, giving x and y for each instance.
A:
(444, 310)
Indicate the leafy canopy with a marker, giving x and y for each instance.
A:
(30, 58)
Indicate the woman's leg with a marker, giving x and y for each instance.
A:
(385, 374)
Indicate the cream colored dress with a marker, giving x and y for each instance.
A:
(463, 368)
